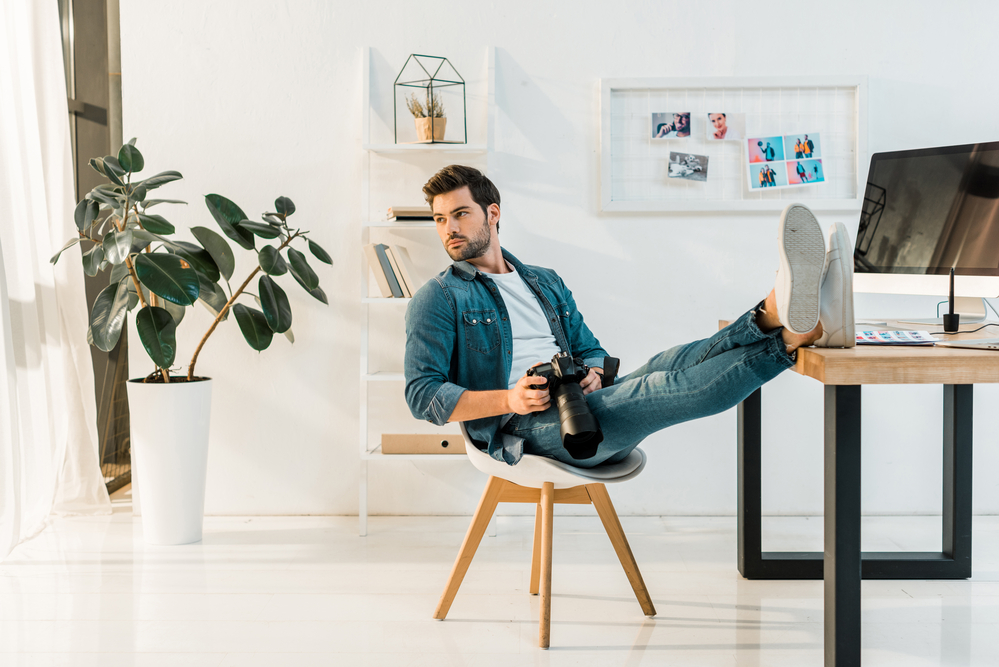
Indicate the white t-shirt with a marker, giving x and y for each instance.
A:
(533, 340)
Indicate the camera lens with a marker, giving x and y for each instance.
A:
(579, 428)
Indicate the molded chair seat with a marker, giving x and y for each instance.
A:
(545, 482)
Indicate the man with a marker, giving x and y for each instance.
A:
(475, 329)
(769, 153)
(679, 128)
(809, 146)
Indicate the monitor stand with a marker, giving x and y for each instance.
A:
(971, 308)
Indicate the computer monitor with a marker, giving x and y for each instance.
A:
(928, 210)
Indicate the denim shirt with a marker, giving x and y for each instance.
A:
(458, 338)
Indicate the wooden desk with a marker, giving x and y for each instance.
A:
(843, 372)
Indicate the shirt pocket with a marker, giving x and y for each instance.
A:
(482, 332)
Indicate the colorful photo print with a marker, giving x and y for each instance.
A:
(766, 175)
(671, 125)
(805, 172)
(766, 149)
(726, 126)
(688, 166)
(802, 146)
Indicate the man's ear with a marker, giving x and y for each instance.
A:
(494, 213)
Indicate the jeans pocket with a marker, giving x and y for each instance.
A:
(482, 332)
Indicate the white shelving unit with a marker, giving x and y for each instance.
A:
(367, 376)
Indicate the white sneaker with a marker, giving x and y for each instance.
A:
(836, 311)
(799, 279)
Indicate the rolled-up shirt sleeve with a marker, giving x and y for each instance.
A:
(430, 338)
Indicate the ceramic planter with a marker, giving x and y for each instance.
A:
(424, 132)
(169, 428)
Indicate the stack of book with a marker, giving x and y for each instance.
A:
(394, 271)
(409, 214)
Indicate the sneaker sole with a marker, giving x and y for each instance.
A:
(803, 256)
(842, 239)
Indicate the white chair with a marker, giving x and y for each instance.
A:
(546, 482)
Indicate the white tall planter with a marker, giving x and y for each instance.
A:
(170, 454)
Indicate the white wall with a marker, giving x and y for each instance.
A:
(259, 99)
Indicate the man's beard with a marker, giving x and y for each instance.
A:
(474, 246)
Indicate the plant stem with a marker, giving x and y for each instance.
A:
(225, 309)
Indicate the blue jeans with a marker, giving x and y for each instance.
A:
(683, 383)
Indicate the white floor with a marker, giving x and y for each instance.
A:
(306, 591)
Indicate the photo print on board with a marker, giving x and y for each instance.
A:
(724, 126)
(805, 172)
(688, 166)
(671, 125)
(767, 175)
(765, 149)
(802, 146)
(783, 161)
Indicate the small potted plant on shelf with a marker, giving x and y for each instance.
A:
(429, 117)
(163, 276)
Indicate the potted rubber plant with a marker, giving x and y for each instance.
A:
(429, 118)
(157, 276)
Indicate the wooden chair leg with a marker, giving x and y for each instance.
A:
(547, 514)
(536, 557)
(484, 512)
(608, 515)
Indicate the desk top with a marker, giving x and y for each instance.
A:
(897, 364)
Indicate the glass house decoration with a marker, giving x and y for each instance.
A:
(430, 90)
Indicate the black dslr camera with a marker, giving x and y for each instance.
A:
(580, 430)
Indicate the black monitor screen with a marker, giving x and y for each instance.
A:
(931, 209)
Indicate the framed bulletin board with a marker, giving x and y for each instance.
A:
(634, 166)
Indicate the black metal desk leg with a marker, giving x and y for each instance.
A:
(750, 481)
(957, 451)
(841, 562)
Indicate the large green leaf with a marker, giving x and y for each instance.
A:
(199, 259)
(271, 261)
(164, 275)
(98, 165)
(117, 245)
(158, 333)
(108, 315)
(228, 217)
(317, 292)
(86, 212)
(105, 197)
(253, 324)
(320, 254)
(284, 206)
(273, 300)
(113, 170)
(92, 260)
(272, 218)
(217, 248)
(302, 271)
(159, 179)
(156, 224)
(69, 244)
(148, 203)
(130, 158)
(119, 271)
(212, 297)
(319, 295)
(260, 229)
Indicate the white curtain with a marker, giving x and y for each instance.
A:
(48, 445)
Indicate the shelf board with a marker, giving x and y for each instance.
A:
(377, 454)
(383, 376)
(401, 225)
(427, 148)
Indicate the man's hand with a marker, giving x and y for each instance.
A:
(592, 381)
(529, 395)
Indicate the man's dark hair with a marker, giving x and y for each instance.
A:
(454, 177)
